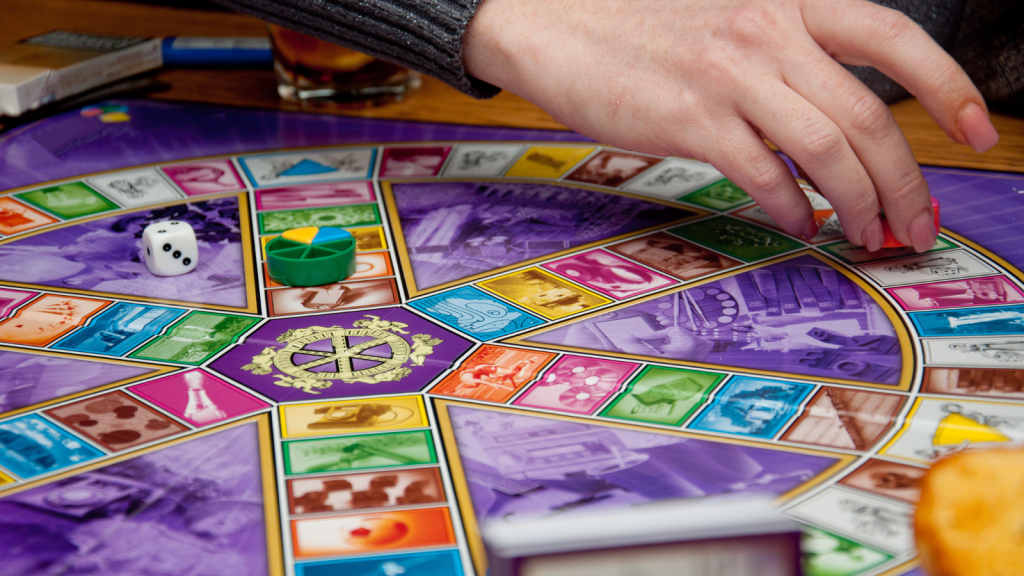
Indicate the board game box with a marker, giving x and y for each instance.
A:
(46, 68)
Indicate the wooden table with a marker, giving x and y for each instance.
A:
(434, 102)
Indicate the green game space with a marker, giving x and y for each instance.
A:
(739, 239)
(663, 396)
(359, 452)
(337, 216)
(196, 338)
(826, 554)
(722, 195)
(852, 254)
(68, 201)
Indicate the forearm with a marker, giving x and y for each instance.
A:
(425, 36)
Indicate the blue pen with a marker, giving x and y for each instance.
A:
(249, 51)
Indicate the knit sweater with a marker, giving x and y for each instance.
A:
(425, 35)
(986, 37)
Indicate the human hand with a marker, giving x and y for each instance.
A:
(707, 79)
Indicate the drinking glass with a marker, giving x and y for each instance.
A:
(310, 70)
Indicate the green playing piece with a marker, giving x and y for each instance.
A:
(296, 264)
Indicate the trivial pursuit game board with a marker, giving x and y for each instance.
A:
(538, 325)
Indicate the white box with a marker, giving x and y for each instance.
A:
(738, 536)
(55, 65)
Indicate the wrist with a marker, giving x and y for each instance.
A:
(486, 53)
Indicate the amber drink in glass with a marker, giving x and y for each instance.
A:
(310, 70)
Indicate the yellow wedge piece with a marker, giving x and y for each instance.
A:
(304, 235)
(956, 428)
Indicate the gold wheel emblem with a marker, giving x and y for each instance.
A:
(344, 355)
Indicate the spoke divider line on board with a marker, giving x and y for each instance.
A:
(281, 484)
(454, 507)
(389, 236)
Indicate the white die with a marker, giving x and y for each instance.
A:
(169, 248)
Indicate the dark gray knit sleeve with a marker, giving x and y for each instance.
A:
(425, 35)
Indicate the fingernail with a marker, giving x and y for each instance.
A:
(873, 236)
(975, 125)
(922, 231)
(810, 229)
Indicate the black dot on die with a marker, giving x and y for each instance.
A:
(161, 231)
(167, 247)
(177, 254)
(148, 253)
(186, 261)
(175, 223)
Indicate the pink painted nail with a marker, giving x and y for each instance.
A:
(873, 236)
(810, 229)
(922, 231)
(977, 128)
